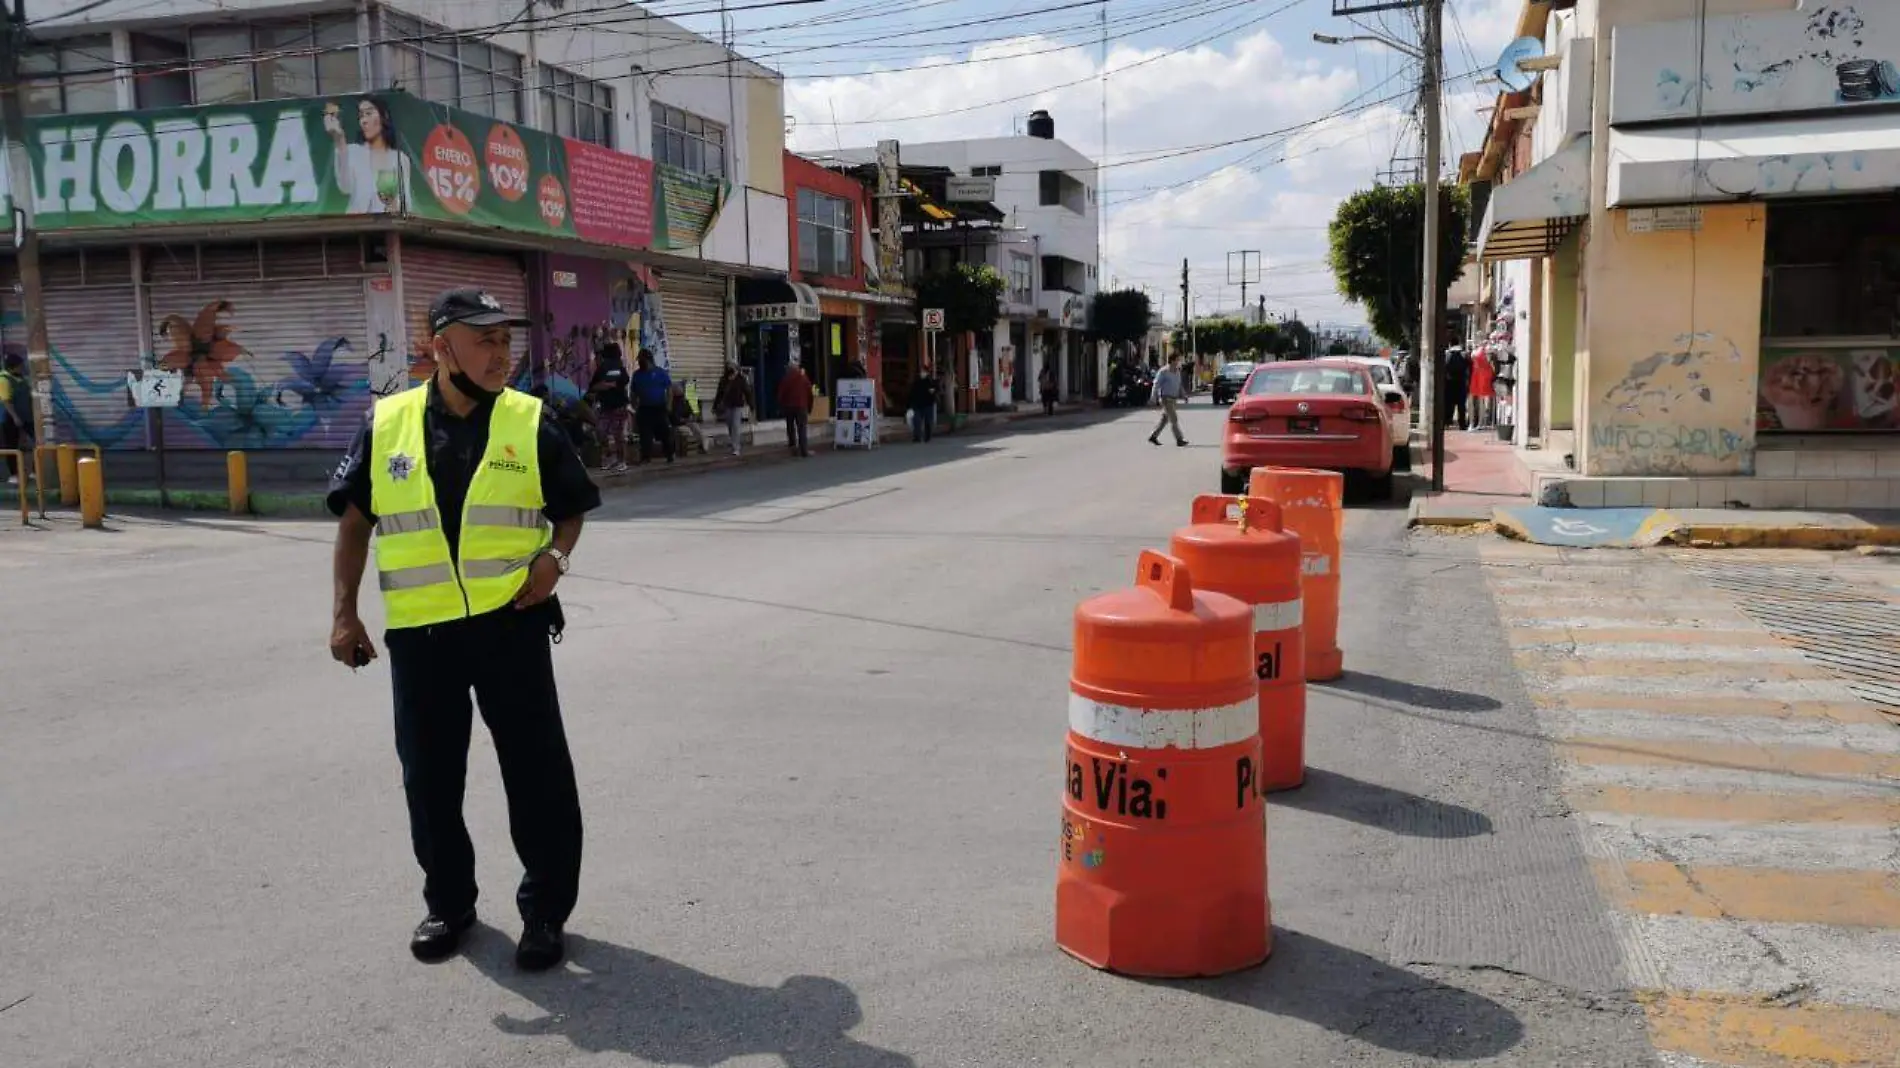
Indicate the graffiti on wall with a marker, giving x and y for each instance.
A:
(1666, 411)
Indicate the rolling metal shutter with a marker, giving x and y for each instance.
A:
(693, 310)
(427, 270)
(296, 311)
(92, 327)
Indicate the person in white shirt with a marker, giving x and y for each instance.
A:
(1167, 393)
(374, 174)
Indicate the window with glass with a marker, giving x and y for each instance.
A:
(451, 68)
(577, 107)
(1021, 278)
(824, 234)
(688, 141)
(988, 170)
(1833, 269)
(68, 77)
(239, 63)
(1284, 380)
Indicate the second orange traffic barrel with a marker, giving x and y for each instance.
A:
(1312, 504)
(1163, 864)
(1237, 546)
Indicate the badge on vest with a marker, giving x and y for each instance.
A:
(508, 461)
(400, 465)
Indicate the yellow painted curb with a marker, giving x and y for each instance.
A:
(1741, 536)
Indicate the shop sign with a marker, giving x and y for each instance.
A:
(1808, 388)
(854, 419)
(969, 190)
(687, 206)
(1686, 217)
(781, 312)
(375, 154)
(566, 280)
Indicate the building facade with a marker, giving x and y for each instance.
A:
(1691, 246)
(265, 197)
(1047, 249)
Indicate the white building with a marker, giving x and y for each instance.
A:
(654, 131)
(1049, 250)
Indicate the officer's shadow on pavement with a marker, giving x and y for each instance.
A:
(1364, 998)
(610, 998)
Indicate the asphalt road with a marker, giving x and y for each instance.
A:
(817, 711)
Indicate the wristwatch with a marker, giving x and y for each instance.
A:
(560, 559)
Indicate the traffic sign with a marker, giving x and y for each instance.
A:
(933, 318)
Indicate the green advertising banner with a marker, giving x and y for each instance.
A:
(374, 154)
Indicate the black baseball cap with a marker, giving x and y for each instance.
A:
(470, 307)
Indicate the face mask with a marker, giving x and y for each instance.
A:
(468, 386)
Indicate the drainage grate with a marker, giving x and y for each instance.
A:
(1833, 622)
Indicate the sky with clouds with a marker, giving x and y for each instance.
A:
(1229, 128)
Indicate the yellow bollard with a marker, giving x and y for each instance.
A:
(68, 475)
(237, 476)
(92, 493)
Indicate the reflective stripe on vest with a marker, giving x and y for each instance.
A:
(502, 529)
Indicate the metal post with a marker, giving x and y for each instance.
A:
(1432, 391)
(39, 360)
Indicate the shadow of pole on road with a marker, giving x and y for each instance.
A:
(1331, 794)
(610, 998)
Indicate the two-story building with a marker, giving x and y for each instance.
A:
(1047, 249)
(265, 197)
(1693, 249)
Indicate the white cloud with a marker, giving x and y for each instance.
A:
(1274, 195)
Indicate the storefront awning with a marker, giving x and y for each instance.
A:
(777, 300)
(1529, 215)
(1737, 161)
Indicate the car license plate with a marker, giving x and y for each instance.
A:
(1303, 425)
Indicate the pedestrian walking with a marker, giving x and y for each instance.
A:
(653, 399)
(923, 406)
(794, 399)
(730, 402)
(1482, 378)
(1167, 393)
(475, 498)
(1046, 389)
(609, 392)
(1457, 386)
(16, 411)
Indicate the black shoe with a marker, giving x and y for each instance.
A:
(541, 946)
(1182, 443)
(1156, 440)
(437, 939)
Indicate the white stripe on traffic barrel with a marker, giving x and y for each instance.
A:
(1163, 728)
(1281, 615)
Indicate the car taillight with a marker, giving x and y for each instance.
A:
(1363, 415)
(1246, 415)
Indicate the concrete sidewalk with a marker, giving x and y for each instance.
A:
(1480, 474)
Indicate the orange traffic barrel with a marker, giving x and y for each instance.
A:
(1312, 505)
(1239, 547)
(1163, 868)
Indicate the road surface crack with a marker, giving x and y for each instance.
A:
(16, 1002)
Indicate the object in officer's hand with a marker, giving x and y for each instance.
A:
(359, 657)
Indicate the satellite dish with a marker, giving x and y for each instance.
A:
(1508, 72)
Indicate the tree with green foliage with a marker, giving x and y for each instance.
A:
(970, 294)
(1121, 317)
(1376, 239)
(1339, 348)
(1295, 339)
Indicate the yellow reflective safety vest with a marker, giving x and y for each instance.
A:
(503, 529)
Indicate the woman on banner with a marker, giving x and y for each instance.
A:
(373, 173)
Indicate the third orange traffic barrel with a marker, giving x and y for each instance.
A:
(1312, 504)
(1239, 547)
(1163, 863)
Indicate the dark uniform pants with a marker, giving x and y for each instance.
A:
(504, 658)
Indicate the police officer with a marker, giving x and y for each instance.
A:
(475, 497)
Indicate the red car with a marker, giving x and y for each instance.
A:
(1327, 414)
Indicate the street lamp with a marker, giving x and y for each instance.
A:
(1430, 59)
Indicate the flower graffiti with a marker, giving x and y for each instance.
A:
(201, 347)
(321, 380)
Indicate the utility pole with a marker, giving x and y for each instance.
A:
(1433, 388)
(26, 238)
(1187, 313)
(1249, 272)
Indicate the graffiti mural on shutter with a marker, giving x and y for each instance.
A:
(427, 270)
(271, 338)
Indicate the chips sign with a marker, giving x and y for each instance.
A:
(933, 318)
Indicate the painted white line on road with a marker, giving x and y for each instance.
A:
(1769, 652)
(1787, 846)
(1690, 686)
(1734, 622)
(1842, 965)
(1278, 615)
(1154, 728)
(1703, 780)
(1765, 730)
